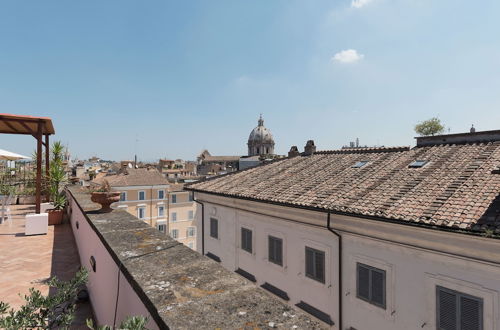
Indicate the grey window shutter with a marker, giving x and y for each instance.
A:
(243, 239)
(309, 262)
(246, 239)
(470, 313)
(378, 287)
(447, 310)
(320, 266)
(271, 249)
(279, 251)
(214, 228)
(363, 282)
(249, 241)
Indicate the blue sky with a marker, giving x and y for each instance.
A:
(181, 76)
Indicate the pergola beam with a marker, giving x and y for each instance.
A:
(11, 127)
(47, 161)
(38, 167)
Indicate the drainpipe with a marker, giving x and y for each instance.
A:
(202, 224)
(340, 267)
(151, 209)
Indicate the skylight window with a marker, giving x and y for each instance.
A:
(360, 164)
(418, 163)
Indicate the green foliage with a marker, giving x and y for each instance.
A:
(429, 127)
(45, 312)
(7, 189)
(489, 233)
(57, 176)
(130, 323)
(57, 151)
(59, 201)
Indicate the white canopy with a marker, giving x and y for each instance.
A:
(7, 155)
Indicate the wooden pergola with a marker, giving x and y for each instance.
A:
(38, 127)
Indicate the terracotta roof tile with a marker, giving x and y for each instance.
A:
(134, 177)
(456, 188)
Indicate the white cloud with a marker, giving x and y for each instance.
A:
(359, 3)
(347, 56)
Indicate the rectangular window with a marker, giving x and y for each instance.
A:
(142, 195)
(161, 211)
(246, 240)
(315, 264)
(456, 310)
(214, 228)
(161, 194)
(190, 197)
(190, 215)
(275, 250)
(123, 196)
(174, 216)
(190, 232)
(371, 284)
(162, 228)
(174, 233)
(141, 212)
(174, 199)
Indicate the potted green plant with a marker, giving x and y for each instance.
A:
(57, 176)
(104, 196)
(56, 214)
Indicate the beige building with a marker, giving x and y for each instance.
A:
(181, 210)
(368, 238)
(146, 194)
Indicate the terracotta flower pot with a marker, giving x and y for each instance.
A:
(55, 216)
(105, 199)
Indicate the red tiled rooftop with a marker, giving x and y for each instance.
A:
(457, 188)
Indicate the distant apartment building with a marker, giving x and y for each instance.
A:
(214, 165)
(178, 170)
(368, 238)
(182, 208)
(146, 194)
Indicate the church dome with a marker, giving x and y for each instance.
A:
(260, 141)
(260, 134)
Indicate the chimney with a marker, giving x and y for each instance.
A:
(294, 152)
(310, 148)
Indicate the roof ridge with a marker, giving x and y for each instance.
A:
(362, 150)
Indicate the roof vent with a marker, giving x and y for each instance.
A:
(360, 164)
(294, 152)
(310, 148)
(418, 164)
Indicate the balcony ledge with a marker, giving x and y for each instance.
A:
(179, 287)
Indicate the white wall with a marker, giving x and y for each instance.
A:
(412, 273)
(102, 284)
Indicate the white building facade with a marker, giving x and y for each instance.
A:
(416, 264)
(368, 238)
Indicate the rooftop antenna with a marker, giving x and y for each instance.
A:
(135, 151)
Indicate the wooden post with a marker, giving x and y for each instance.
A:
(38, 168)
(47, 165)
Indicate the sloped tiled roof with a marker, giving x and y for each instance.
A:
(457, 188)
(135, 177)
(221, 158)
